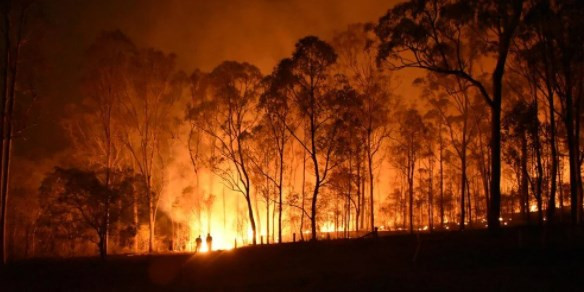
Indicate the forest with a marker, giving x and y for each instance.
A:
(442, 115)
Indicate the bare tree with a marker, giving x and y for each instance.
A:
(227, 115)
(152, 91)
(407, 149)
(450, 98)
(275, 104)
(310, 66)
(17, 27)
(94, 129)
(357, 50)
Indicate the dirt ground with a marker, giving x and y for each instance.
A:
(515, 259)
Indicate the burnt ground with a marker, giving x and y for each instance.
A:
(515, 259)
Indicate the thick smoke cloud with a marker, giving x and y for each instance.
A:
(202, 33)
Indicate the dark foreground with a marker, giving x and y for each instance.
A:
(516, 259)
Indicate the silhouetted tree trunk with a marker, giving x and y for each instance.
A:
(7, 99)
(4, 96)
(441, 183)
(508, 26)
(524, 187)
(462, 191)
(410, 177)
(548, 72)
(280, 191)
(572, 147)
(431, 195)
(539, 166)
(303, 196)
(371, 192)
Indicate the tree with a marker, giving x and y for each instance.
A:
(310, 69)
(441, 37)
(521, 126)
(357, 51)
(88, 200)
(535, 58)
(227, 115)
(94, 129)
(18, 23)
(275, 104)
(152, 89)
(558, 25)
(407, 150)
(450, 99)
(349, 153)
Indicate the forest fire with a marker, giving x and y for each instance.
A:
(219, 243)
(297, 132)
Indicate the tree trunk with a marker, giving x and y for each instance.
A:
(524, 189)
(469, 203)
(431, 197)
(150, 219)
(107, 213)
(268, 220)
(250, 215)
(359, 204)
(280, 190)
(3, 97)
(561, 187)
(572, 154)
(577, 119)
(303, 196)
(495, 186)
(313, 212)
(102, 245)
(135, 221)
(462, 191)
(314, 157)
(371, 192)
(5, 179)
(350, 193)
(441, 181)
(539, 182)
(7, 154)
(267, 197)
(554, 149)
(411, 165)
(505, 40)
(274, 222)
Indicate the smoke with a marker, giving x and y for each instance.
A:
(197, 202)
(202, 34)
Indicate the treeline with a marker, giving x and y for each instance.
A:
(490, 128)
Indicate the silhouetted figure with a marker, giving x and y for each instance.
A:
(209, 242)
(198, 243)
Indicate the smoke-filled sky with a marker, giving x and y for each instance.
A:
(201, 32)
